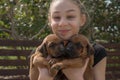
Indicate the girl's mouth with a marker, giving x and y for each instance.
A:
(63, 31)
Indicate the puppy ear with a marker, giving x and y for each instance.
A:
(43, 50)
(90, 49)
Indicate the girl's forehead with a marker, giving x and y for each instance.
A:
(62, 5)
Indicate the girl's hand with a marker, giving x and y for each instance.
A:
(44, 74)
(76, 73)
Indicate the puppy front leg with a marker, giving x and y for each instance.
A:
(53, 71)
(33, 72)
(69, 63)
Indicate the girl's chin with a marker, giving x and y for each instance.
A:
(64, 37)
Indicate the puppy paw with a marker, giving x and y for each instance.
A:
(52, 61)
(57, 66)
(53, 72)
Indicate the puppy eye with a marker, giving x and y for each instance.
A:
(78, 45)
(52, 45)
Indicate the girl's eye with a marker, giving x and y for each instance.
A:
(56, 18)
(70, 17)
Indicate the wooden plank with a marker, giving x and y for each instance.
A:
(113, 53)
(14, 62)
(114, 69)
(111, 45)
(10, 72)
(4, 52)
(114, 61)
(112, 76)
(14, 78)
(26, 43)
(109, 77)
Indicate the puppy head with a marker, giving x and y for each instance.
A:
(79, 46)
(52, 46)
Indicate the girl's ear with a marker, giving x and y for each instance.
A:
(82, 20)
(49, 20)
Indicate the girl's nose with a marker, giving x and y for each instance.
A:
(63, 22)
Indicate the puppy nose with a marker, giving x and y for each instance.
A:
(70, 50)
(62, 48)
(69, 47)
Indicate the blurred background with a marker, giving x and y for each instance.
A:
(27, 20)
(23, 24)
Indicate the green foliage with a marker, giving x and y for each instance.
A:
(105, 20)
(27, 19)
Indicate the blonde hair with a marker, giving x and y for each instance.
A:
(82, 10)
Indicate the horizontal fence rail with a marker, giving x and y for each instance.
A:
(14, 59)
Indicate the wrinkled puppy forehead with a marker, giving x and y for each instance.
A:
(52, 38)
(80, 39)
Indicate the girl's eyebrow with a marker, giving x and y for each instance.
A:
(71, 10)
(56, 12)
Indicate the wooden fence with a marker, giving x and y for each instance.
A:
(113, 61)
(14, 59)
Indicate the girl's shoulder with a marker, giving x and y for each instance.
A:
(98, 47)
(100, 52)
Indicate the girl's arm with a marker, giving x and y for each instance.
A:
(99, 70)
(76, 73)
(44, 74)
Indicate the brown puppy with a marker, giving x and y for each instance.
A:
(49, 48)
(73, 54)
(76, 51)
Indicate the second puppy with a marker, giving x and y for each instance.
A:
(75, 53)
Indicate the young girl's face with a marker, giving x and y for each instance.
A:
(65, 18)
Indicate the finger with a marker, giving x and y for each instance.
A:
(86, 63)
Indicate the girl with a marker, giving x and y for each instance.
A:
(67, 18)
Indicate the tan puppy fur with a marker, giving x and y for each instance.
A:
(56, 55)
(77, 50)
(40, 59)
